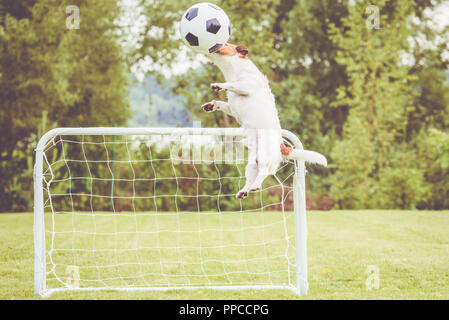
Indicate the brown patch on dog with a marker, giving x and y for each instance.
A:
(230, 49)
(242, 51)
(285, 150)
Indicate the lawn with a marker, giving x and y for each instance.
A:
(410, 250)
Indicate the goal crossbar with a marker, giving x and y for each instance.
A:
(40, 254)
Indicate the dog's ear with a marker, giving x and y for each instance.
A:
(242, 51)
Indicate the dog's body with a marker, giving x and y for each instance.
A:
(252, 104)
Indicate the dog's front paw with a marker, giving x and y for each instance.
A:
(209, 107)
(242, 194)
(216, 87)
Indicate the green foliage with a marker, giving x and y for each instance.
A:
(433, 154)
(379, 98)
(374, 161)
(73, 77)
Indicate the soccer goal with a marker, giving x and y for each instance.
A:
(155, 209)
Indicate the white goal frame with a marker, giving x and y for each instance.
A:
(299, 200)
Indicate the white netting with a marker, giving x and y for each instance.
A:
(160, 211)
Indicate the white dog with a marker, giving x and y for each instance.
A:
(252, 104)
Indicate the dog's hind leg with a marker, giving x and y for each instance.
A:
(262, 173)
(251, 172)
(268, 155)
(251, 169)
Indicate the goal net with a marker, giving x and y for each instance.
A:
(155, 209)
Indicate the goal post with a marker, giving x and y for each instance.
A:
(154, 209)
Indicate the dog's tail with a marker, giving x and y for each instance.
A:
(306, 155)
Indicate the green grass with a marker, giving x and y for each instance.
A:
(410, 249)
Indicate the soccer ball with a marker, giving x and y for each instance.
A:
(205, 27)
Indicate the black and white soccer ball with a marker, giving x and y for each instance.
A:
(205, 27)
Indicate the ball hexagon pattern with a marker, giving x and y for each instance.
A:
(192, 39)
(191, 13)
(205, 27)
(215, 47)
(213, 25)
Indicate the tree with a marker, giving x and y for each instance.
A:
(76, 76)
(375, 165)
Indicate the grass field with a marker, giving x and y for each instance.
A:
(409, 248)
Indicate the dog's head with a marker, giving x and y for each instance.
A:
(228, 52)
(231, 50)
